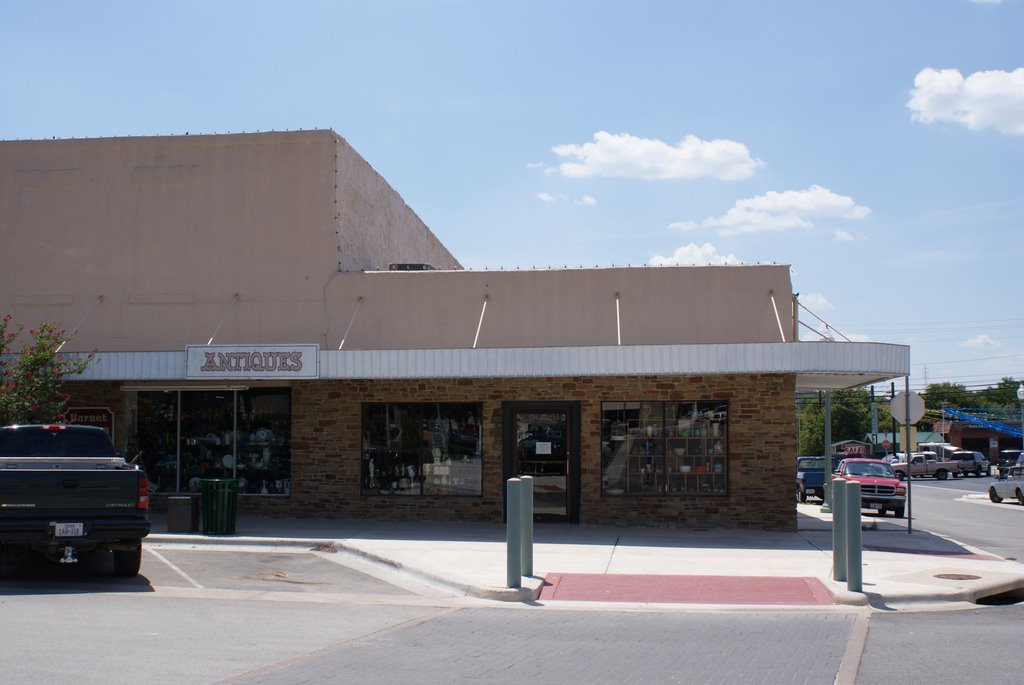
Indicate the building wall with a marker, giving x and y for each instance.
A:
(684, 305)
(326, 449)
(147, 241)
(375, 226)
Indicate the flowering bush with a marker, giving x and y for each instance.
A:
(31, 379)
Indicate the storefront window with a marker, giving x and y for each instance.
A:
(182, 436)
(664, 448)
(421, 449)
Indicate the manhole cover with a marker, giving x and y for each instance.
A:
(957, 576)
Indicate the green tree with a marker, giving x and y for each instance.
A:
(1003, 395)
(31, 378)
(811, 421)
(953, 395)
(851, 418)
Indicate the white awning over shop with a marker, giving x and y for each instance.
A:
(817, 365)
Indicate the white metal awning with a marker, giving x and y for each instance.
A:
(817, 365)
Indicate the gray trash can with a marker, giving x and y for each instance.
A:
(182, 514)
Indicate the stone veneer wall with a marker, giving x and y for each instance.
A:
(101, 394)
(326, 448)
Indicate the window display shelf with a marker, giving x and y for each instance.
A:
(677, 456)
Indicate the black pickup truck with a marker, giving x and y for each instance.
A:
(64, 490)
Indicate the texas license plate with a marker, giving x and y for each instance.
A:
(68, 530)
(874, 505)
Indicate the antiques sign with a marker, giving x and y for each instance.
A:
(252, 361)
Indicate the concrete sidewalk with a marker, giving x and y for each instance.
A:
(469, 558)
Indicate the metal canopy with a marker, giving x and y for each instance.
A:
(816, 365)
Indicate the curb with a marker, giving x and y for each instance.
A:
(843, 596)
(529, 592)
(232, 539)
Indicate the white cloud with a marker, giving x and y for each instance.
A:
(695, 254)
(985, 99)
(816, 302)
(684, 226)
(986, 2)
(980, 342)
(626, 156)
(583, 201)
(783, 211)
(844, 236)
(535, 165)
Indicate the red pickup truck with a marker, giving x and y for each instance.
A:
(880, 489)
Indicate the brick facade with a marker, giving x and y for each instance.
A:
(326, 448)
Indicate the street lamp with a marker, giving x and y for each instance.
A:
(1020, 398)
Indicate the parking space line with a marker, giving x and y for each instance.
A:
(174, 568)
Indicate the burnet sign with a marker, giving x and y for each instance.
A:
(252, 361)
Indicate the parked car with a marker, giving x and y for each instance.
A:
(810, 478)
(879, 488)
(925, 464)
(1008, 486)
(1008, 458)
(972, 462)
(65, 491)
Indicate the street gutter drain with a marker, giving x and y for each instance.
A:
(957, 576)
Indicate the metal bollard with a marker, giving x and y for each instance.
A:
(514, 534)
(526, 515)
(854, 556)
(839, 529)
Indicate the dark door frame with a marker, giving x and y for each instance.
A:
(508, 441)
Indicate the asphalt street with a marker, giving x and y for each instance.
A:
(960, 509)
(557, 647)
(229, 614)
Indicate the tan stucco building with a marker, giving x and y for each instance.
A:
(265, 307)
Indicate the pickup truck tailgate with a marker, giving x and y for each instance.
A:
(99, 492)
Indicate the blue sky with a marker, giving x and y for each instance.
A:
(877, 147)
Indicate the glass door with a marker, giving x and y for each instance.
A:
(541, 440)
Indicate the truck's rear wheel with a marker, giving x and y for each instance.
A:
(1020, 497)
(941, 474)
(901, 475)
(127, 562)
(993, 496)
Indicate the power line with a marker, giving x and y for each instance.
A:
(976, 359)
(918, 325)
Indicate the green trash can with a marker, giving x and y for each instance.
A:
(219, 503)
